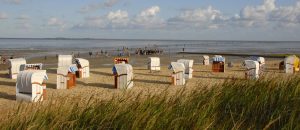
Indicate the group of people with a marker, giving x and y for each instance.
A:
(148, 51)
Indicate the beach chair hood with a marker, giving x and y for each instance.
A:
(64, 60)
(251, 64)
(260, 60)
(205, 57)
(15, 64)
(122, 69)
(188, 64)
(27, 78)
(154, 61)
(177, 67)
(64, 70)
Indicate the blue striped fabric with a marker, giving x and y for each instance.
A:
(222, 59)
(73, 69)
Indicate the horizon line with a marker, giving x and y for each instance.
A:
(68, 38)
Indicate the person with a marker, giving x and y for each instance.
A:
(78, 54)
(90, 53)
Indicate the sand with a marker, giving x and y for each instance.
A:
(100, 84)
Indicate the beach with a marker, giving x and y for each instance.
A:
(101, 82)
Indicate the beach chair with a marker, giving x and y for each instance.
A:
(123, 75)
(30, 86)
(119, 60)
(218, 64)
(252, 69)
(66, 77)
(291, 64)
(83, 68)
(205, 60)
(188, 64)
(178, 74)
(37, 66)
(154, 64)
(15, 67)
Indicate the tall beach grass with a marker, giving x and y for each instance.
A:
(270, 103)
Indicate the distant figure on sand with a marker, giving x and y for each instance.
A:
(90, 53)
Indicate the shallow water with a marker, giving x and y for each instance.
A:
(53, 46)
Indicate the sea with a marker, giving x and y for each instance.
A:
(66, 45)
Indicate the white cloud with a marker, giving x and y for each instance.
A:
(96, 6)
(148, 18)
(201, 17)
(55, 22)
(3, 15)
(150, 12)
(118, 18)
(269, 14)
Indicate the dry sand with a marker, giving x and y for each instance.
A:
(100, 84)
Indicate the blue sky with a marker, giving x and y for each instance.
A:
(152, 19)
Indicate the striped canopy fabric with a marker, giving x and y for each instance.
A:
(73, 69)
(219, 59)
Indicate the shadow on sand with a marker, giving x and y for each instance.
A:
(152, 74)
(4, 76)
(51, 85)
(102, 85)
(226, 78)
(7, 96)
(52, 71)
(10, 84)
(102, 73)
(151, 81)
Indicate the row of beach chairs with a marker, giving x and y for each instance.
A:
(30, 84)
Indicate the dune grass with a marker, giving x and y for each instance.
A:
(270, 103)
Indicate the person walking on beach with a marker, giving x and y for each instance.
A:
(90, 53)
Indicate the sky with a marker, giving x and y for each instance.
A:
(261, 20)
